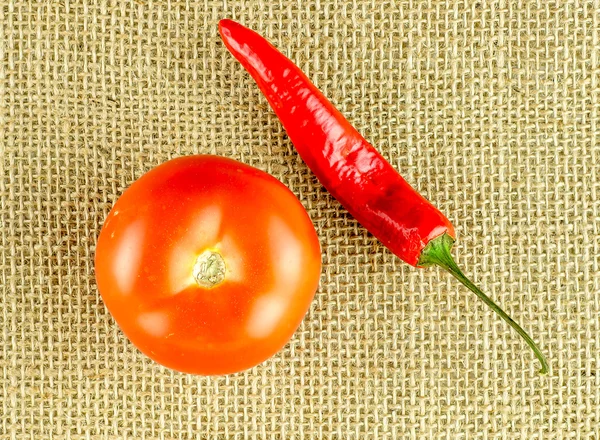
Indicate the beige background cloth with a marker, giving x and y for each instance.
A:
(489, 108)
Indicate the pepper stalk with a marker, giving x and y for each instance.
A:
(437, 252)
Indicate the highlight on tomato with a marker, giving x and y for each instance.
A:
(208, 265)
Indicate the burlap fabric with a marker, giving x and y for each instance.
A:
(490, 109)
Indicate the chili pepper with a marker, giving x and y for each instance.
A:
(350, 168)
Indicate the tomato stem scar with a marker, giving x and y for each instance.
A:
(209, 269)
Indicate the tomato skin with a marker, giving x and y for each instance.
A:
(147, 254)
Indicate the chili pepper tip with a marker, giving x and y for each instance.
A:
(437, 252)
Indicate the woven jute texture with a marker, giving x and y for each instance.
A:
(490, 109)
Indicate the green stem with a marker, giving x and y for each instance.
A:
(437, 252)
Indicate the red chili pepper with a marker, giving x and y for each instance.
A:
(349, 167)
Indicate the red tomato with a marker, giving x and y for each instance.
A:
(208, 265)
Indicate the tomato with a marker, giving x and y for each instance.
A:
(208, 265)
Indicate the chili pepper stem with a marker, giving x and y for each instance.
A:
(437, 252)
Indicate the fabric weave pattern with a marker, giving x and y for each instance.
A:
(491, 109)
